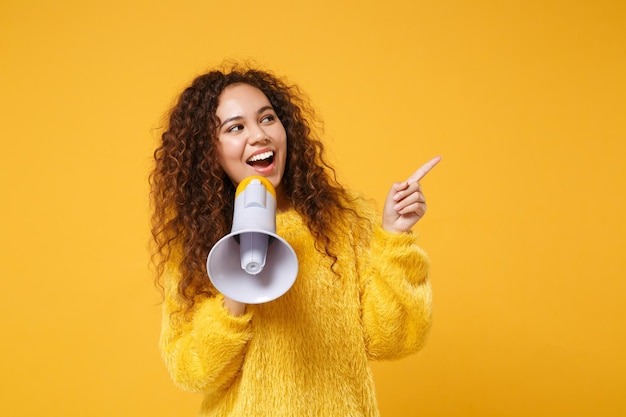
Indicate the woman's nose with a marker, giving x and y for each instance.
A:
(258, 135)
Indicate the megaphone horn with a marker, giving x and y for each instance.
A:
(252, 264)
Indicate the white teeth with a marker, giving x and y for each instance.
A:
(261, 156)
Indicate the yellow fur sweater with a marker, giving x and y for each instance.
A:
(306, 353)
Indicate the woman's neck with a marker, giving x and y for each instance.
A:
(282, 203)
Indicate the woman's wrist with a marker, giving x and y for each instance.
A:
(392, 229)
(234, 307)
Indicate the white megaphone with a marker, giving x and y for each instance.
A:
(253, 264)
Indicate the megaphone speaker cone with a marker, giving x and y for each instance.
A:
(229, 276)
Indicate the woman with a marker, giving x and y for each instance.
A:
(362, 291)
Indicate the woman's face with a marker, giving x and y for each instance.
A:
(251, 138)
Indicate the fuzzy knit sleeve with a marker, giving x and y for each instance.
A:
(205, 351)
(396, 295)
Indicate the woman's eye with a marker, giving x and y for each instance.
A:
(234, 128)
(268, 118)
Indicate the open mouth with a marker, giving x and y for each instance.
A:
(261, 160)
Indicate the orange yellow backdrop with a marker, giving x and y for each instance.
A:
(525, 101)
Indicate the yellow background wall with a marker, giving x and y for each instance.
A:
(525, 100)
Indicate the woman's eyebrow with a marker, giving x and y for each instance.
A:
(230, 119)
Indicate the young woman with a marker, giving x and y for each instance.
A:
(362, 291)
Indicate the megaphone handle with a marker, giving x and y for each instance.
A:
(253, 251)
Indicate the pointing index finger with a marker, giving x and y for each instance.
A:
(424, 169)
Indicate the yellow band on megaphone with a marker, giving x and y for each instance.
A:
(246, 181)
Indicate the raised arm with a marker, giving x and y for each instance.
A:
(396, 292)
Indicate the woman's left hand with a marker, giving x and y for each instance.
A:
(405, 203)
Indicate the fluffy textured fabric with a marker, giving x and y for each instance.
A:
(306, 353)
